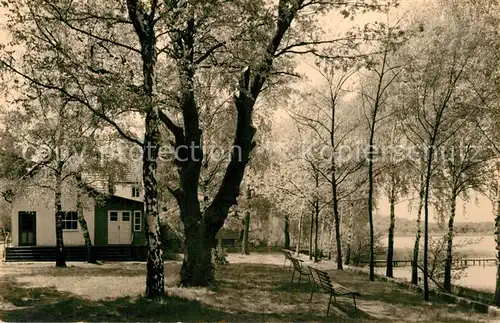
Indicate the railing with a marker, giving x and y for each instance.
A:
(462, 262)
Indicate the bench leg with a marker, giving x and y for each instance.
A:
(284, 264)
(329, 302)
(312, 292)
(293, 274)
(355, 308)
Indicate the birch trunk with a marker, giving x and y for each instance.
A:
(449, 248)
(336, 216)
(426, 218)
(497, 249)
(60, 253)
(335, 206)
(287, 232)
(390, 242)
(83, 223)
(297, 248)
(322, 235)
(155, 287)
(370, 208)
(349, 240)
(316, 225)
(416, 247)
(311, 229)
(144, 26)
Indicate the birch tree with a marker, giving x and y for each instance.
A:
(52, 127)
(394, 183)
(462, 171)
(373, 100)
(335, 128)
(434, 118)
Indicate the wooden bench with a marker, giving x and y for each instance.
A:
(288, 255)
(298, 267)
(321, 281)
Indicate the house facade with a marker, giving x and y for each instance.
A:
(113, 218)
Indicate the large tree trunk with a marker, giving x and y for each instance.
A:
(449, 248)
(60, 253)
(390, 242)
(197, 268)
(416, 246)
(144, 27)
(83, 223)
(244, 245)
(497, 240)
(197, 271)
(287, 232)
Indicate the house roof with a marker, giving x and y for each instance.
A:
(227, 234)
(129, 177)
(103, 196)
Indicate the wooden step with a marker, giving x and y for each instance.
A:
(73, 253)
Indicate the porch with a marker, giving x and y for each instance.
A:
(76, 253)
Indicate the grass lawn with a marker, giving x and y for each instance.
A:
(250, 288)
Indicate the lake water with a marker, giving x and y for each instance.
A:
(477, 277)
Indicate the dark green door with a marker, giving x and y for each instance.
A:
(27, 228)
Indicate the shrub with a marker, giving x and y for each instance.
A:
(360, 247)
(219, 256)
(437, 257)
(172, 256)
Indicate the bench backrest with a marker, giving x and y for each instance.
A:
(298, 266)
(287, 253)
(321, 278)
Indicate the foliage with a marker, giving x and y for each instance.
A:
(437, 259)
(360, 247)
(219, 256)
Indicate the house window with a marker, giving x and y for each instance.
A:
(70, 220)
(137, 221)
(135, 191)
(126, 216)
(113, 216)
(228, 242)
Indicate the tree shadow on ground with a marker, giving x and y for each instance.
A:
(46, 304)
(274, 284)
(242, 292)
(389, 293)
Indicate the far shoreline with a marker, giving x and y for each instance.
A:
(472, 234)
